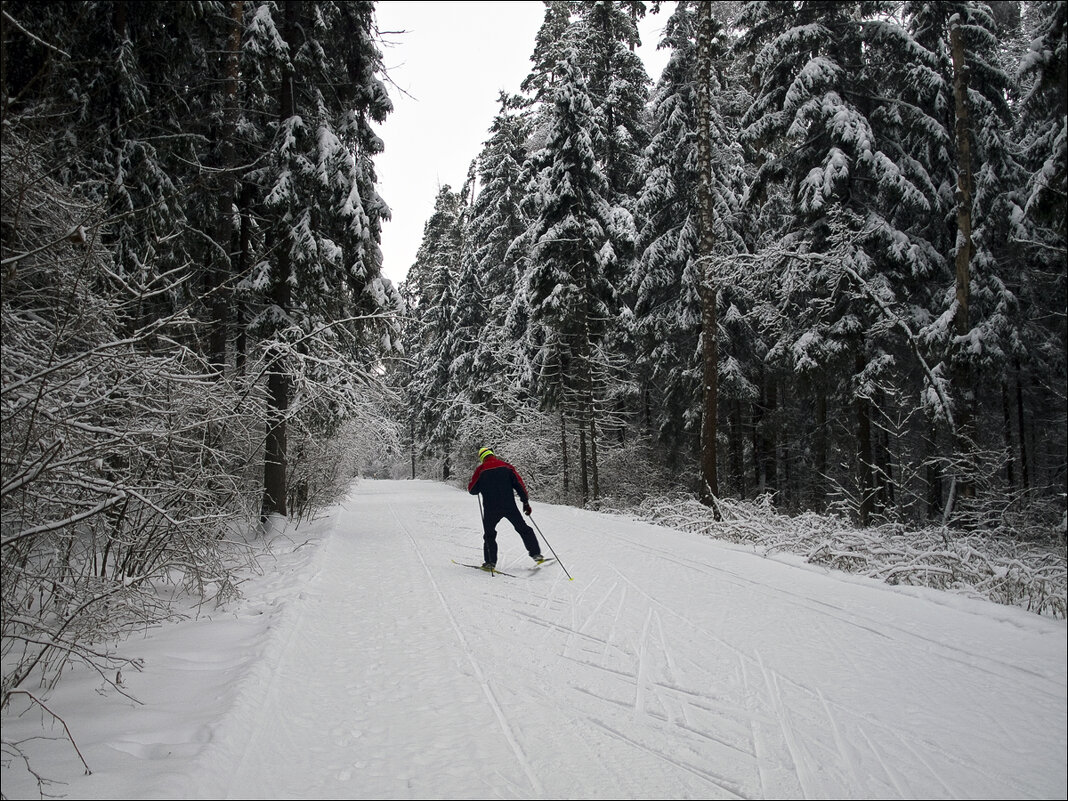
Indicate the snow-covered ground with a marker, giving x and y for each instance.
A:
(365, 664)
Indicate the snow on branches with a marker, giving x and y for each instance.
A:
(982, 564)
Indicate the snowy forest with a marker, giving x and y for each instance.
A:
(817, 268)
(822, 259)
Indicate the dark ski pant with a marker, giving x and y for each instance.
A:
(489, 527)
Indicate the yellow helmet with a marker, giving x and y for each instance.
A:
(483, 453)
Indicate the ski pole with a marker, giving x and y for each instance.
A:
(482, 517)
(535, 522)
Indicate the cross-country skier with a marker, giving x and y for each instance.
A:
(497, 480)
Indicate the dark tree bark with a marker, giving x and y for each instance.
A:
(584, 477)
(865, 473)
(278, 380)
(1021, 425)
(820, 479)
(222, 271)
(737, 447)
(709, 324)
(244, 261)
(965, 248)
(563, 452)
(1006, 428)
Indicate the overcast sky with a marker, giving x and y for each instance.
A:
(452, 61)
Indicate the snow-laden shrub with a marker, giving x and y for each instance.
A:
(125, 460)
(323, 465)
(629, 472)
(993, 565)
(527, 439)
(532, 441)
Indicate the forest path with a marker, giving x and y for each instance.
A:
(672, 666)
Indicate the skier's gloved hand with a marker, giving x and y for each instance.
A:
(527, 509)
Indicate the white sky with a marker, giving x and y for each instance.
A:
(452, 61)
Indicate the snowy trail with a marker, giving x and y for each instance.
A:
(673, 666)
(670, 667)
(373, 654)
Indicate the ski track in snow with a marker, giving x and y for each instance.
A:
(671, 667)
(642, 678)
(505, 726)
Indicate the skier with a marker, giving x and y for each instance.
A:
(496, 480)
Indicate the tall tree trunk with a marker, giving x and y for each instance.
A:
(584, 390)
(593, 453)
(769, 440)
(820, 479)
(865, 474)
(584, 478)
(709, 325)
(1006, 427)
(647, 407)
(884, 468)
(244, 261)
(737, 447)
(563, 452)
(965, 416)
(787, 490)
(222, 256)
(933, 474)
(1022, 427)
(760, 462)
(274, 457)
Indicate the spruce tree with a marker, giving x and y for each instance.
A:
(497, 362)
(666, 279)
(1035, 397)
(570, 246)
(323, 215)
(980, 203)
(824, 127)
(605, 36)
(550, 46)
(432, 294)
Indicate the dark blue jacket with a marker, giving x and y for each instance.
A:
(496, 480)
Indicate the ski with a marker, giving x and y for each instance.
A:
(484, 570)
(543, 562)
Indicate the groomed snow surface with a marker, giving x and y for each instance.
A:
(363, 663)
